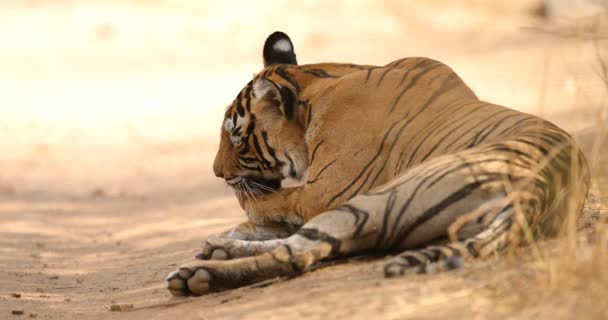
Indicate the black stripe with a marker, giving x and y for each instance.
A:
(352, 66)
(247, 159)
(251, 125)
(439, 207)
(234, 118)
(240, 110)
(450, 133)
(289, 100)
(438, 126)
(270, 149)
(308, 115)
(369, 73)
(437, 94)
(316, 235)
(516, 125)
(245, 145)
(447, 110)
(471, 249)
(506, 148)
(470, 164)
(294, 266)
(539, 147)
(320, 172)
(418, 64)
(360, 218)
(410, 260)
(292, 169)
(356, 192)
(369, 163)
(257, 168)
(413, 82)
(490, 128)
(249, 95)
(413, 194)
(236, 131)
(388, 209)
(388, 155)
(319, 73)
(258, 149)
(282, 72)
(314, 151)
(383, 75)
(397, 63)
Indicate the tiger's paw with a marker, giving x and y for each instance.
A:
(216, 248)
(397, 269)
(407, 264)
(187, 281)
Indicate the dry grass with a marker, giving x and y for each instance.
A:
(109, 114)
(570, 277)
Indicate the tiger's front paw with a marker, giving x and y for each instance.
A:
(187, 281)
(216, 248)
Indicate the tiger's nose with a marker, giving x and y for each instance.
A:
(218, 173)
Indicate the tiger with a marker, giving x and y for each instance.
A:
(333, 160)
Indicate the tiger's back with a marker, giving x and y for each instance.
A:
(395, 117)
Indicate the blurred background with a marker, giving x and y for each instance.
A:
(126, 96)
(110, 115)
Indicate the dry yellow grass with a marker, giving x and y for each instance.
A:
(571, 277)
(108, 119)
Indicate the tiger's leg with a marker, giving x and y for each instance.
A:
(494, 238)
(333, 233)
(249, 231)
(499, 199)
(237, 241)
(409, 212)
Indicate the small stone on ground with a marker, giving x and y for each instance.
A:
(120, 307)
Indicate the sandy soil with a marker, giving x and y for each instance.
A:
(108, 120)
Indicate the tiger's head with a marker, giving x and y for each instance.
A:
(262, 140)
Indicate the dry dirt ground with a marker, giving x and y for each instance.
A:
(108, 120)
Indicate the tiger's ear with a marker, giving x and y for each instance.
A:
(282, 97)
(278, 49)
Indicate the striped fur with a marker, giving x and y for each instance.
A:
(401, 159)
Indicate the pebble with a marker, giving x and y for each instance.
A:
(16, 294)
(120, 307)
(98, 193)
(18, 312)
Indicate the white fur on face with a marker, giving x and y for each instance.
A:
(300, 166)
(282, 45)
(261, 87)
(236, 141)
(290, 182)
(229, 125)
